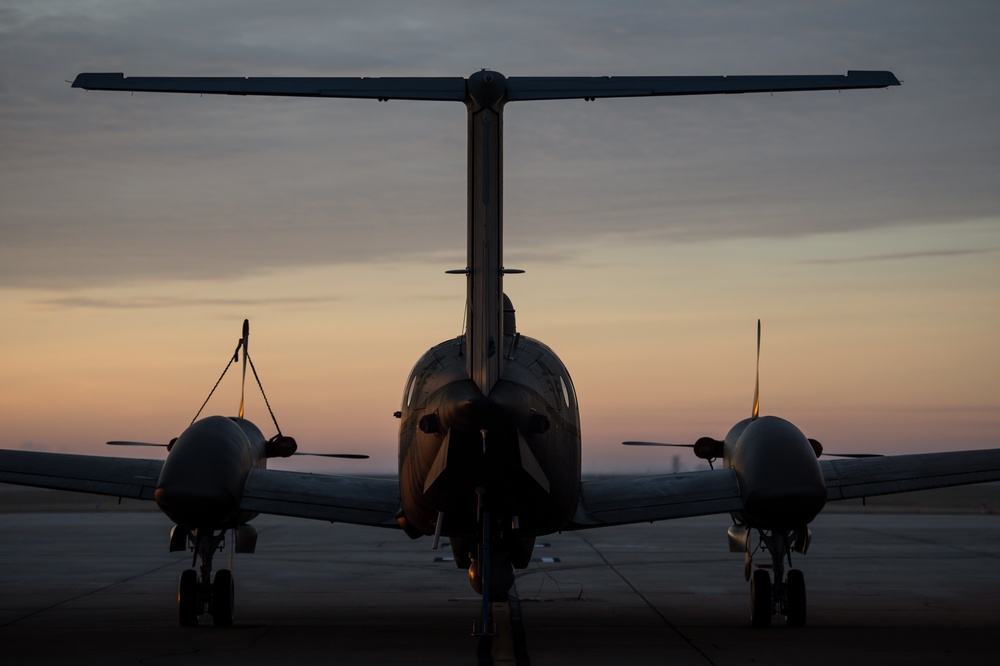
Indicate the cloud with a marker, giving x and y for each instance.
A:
(161, 302)
(106, 188)
(896, 256)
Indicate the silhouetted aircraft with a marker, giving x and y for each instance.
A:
(489, 437)
(783, 487)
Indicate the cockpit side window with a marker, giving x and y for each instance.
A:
(410, 391)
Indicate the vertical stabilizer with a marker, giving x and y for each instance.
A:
(484, 335)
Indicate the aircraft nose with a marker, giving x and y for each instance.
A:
(787, 507)
(780, 479)
(202, 479)
(195, 506)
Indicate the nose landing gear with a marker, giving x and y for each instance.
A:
(786, 594)
(197, 593)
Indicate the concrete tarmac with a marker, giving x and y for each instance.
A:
(99, 587)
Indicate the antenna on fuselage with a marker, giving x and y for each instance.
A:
(756, 386)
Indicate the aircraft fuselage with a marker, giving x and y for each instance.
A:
(514, 453)
(779, 475)
(201, 482)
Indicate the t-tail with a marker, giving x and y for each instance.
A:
(484, 269)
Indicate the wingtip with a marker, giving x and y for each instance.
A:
(92, 80)
(875, 78)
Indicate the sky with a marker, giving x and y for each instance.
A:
(862, 227)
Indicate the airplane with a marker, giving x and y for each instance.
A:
(783, 487)
(489, 433)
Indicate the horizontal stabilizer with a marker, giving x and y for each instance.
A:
(591, 87)
(454, 89)
(426, 88)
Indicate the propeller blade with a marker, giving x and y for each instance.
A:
(136, 444)
(756, 387)
(243, 383)
(687, 446)
(348, 456)
(854, 455)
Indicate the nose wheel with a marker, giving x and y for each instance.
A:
(761, 600)
(795, 599)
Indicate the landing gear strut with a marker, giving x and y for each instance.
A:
(491, 573)
(786, 595)
(197, 593)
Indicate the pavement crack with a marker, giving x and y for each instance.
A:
(88, 593)
(646, 601)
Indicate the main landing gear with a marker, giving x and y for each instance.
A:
(197, 593)
(786, 595)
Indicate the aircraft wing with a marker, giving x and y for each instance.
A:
(345, 499)
(117, 477)
(643, 499)
(624, 500)
(866, 477)
(591, 87)
(450, 89)
(338, 499)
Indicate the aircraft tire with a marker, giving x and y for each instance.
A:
(223, 596)
(187, 598)
(760, 599)
(795, 598)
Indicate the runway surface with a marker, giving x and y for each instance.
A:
(99, 587)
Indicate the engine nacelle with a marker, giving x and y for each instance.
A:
(246, 539)
(280, 446)
(739, 537)
(707, 448)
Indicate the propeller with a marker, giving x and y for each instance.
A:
(346, 456)
(710, 449)
(243, 383)
(756, 386)
(686, 446)
(278, 446)
(136, 444)
(705, 448)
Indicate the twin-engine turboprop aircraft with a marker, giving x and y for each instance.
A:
(783, 488)
(199, 486)
(489, 438)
